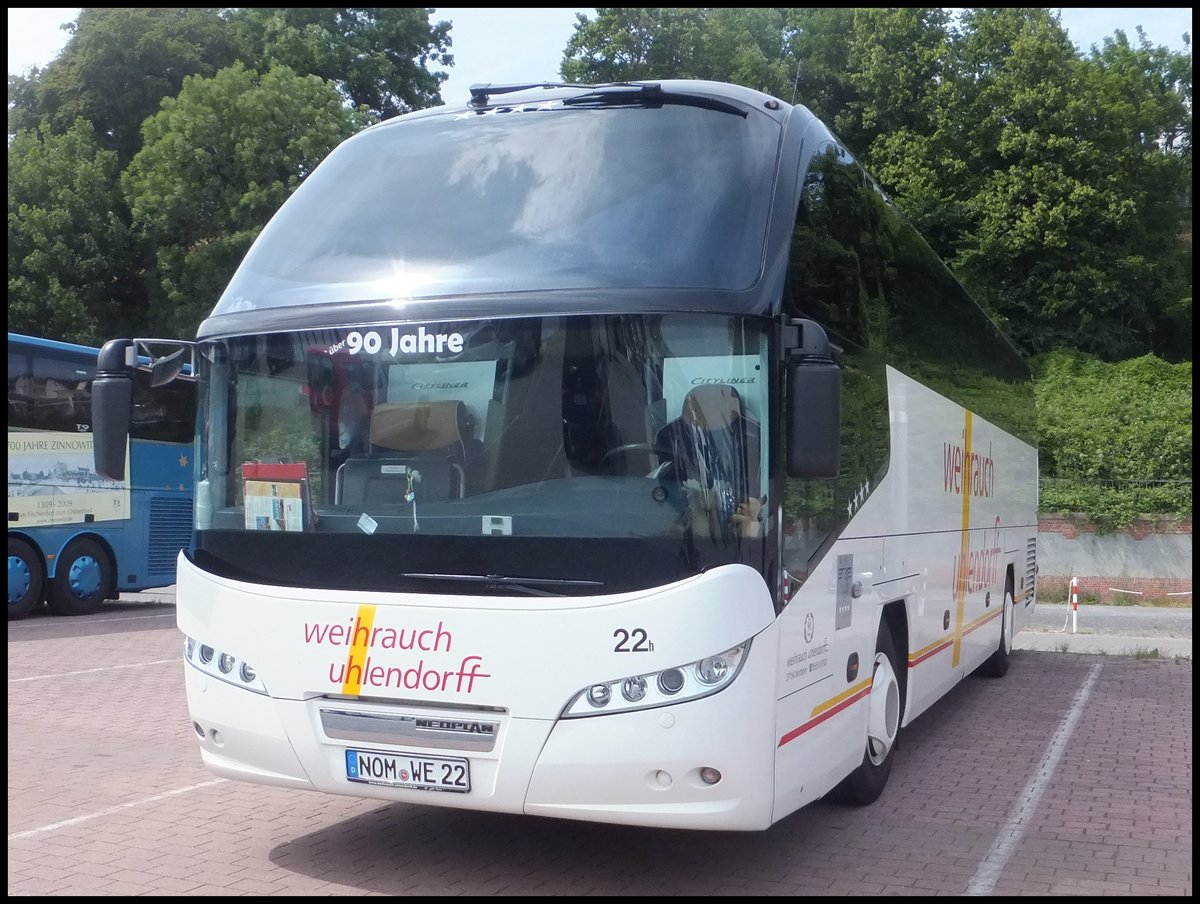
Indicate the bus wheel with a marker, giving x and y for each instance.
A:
(83, 580)
(996, 665)
(867, 781)
(25, 578)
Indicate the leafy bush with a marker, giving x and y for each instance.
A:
(1116, 439)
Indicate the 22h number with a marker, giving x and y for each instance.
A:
(633, 640)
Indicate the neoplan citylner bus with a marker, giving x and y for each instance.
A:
(609, 452)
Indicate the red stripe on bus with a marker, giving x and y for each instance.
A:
(946, 644)
(832, 711)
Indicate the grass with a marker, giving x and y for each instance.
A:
(1155, 602)
(1159, 602)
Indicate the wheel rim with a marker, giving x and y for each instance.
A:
(84, 577)
(1008, 622)
(883, 717)
(20, 579)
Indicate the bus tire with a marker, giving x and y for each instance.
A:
(83, 579)
(26, 578)
(996, 665)
(885, 708)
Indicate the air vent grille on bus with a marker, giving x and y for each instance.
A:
(170, 531)
(1030, 567)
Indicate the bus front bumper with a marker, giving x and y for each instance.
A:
(672, 767)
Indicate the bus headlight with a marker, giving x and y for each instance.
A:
(222, 665)
(647, 690)
(634, 689)
(712, 670)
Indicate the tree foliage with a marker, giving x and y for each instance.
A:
(69, 248)
(378, 56)
(217, 162)
(79, 266)
(119, 64)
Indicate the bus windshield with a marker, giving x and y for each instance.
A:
(566, 455)
(556, 197)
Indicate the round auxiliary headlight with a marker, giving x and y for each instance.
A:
(206, 653)
(599, 694)
(247, 672)
(226, 663)
(712, 669)
(633, 689)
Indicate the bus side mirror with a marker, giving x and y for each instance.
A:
(166, 369)
(112, 403)
(814, 392)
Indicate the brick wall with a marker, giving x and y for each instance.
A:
(1061, 524)
(1150, 559)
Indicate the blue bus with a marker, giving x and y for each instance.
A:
(76, 539)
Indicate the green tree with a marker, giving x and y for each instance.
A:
(378, 56)
(627, 44)
(22, 102)
(902, 67)
(216, 163)
(70, 256)
(817, 52)
(117, 66)
(747, 46)
(1075, 204)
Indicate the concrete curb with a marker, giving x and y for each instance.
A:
(1109, 645)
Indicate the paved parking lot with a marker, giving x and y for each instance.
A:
(1071, 776)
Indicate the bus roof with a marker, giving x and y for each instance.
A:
(71, 349)
(529, 199)
(52, 345)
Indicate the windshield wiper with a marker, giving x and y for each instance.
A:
(648, 94)
(531, 586)
(481, 92)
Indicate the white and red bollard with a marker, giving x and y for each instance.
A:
(1074, 602)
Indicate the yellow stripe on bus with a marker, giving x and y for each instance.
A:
(960, 579)
(846, 694)
(363, 622)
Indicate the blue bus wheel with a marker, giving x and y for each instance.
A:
(25, 578)
(83, 579)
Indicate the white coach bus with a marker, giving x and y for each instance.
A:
(611, 452)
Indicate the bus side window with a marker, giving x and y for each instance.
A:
(20, 400)
(835, 277)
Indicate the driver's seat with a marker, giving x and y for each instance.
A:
(431, 438)
(714, 441)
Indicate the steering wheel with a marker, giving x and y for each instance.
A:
(627, 449)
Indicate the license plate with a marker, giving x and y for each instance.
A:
(407, 770)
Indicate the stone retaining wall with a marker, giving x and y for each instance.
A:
(1150, 560)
